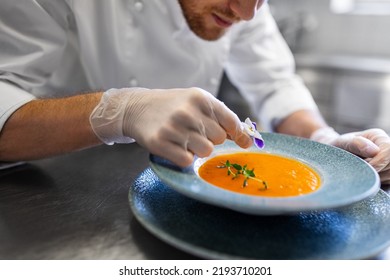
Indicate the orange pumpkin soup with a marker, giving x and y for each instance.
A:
(274, 175)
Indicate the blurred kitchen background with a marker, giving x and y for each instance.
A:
(342, 52)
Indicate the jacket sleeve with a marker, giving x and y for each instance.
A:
(262, 67)
(32, 41)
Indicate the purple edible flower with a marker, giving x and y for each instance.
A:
(251, 129)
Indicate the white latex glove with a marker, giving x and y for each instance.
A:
(175, 124)
(373, 145)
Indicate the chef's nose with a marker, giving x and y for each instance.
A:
(245, 9)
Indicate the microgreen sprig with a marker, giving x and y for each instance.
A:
(236, 170)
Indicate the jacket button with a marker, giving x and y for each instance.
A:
(139, 6)
(133, 82)
(214, 81)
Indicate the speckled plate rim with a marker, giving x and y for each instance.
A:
(346, 178)
(145, 217)
(178, 243)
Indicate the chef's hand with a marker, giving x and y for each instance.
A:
(373, 145)
(175, 124)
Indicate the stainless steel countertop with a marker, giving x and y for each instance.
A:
(377, 65)
(76, 206)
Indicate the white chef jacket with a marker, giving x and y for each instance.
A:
(52, 48)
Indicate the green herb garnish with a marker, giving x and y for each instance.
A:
(236, 170)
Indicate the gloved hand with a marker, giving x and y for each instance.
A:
(373, 145)
(175, 124)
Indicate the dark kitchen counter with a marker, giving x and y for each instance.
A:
(76, 206)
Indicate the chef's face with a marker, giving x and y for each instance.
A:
(210, 19)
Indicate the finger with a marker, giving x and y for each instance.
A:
(385, 176)
(357, 145)
(214, 132)
(170, 142)
(218, 111)
(381, 161)
(199, 145)
(205, 125)
(377, 136)
(227, 119)
(182, 139)
(174, 153)
(242, 139)
(232, 125)
(386, 168)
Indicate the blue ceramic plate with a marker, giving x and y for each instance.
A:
(345, 178)
(357, 231)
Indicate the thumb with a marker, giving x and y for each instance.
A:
(231, 124)
(357, 145)
(241, 138)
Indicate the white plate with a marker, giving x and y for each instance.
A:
(345, 178)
